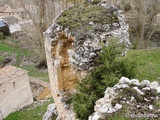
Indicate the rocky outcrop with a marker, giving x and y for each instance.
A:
(51, 110)
(141, 98)
(90, 34)
(72, 44)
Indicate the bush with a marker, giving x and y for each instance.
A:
(107, 73)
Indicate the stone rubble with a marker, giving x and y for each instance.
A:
(142, 100)
(51, 110)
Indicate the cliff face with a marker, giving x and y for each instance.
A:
(72, 43)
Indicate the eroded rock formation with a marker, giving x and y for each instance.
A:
(62, 76)
(72, 43)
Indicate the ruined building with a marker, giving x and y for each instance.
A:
(72, 43)
(15, 91)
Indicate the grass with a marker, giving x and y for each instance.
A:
(30, 114)
(148, 63)
(10, 47)
(32, 71)
(6, 48)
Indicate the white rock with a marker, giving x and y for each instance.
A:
(91, 23)
(95, 116)
(138, 106)
(115, 24)
(140, 92)
(100, 102)
(146, 88)
(102, 36)
(50, 110)
(118, 106)
(111, 110)
(124, 80)
(146, 99)
(124, 86)
(145, 82)
(135, 82)
(103, 109)
(154, 85)
(109, 90)
(92, 55)
(132, 98)
(151, 107)
(158, 89)
(116, 86)
(128, 102)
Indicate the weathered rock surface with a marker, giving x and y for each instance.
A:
(51, 109)
(72, 44)
(141, 98)
(89, 32)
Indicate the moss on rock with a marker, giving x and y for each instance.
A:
(80, 17)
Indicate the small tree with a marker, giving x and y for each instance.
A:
(109, 70)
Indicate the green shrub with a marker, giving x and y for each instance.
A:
(111, 66)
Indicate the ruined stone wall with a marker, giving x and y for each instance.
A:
(62, 76)
(71, 52)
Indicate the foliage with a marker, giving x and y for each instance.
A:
(111, 66)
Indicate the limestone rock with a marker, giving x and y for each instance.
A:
(138, 97)
(51, 109)
(154, 85)
(124, 80)
(145, 83)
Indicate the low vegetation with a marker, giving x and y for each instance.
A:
(30, 113)
(10, 47)
(34, 72)
(81, 15)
